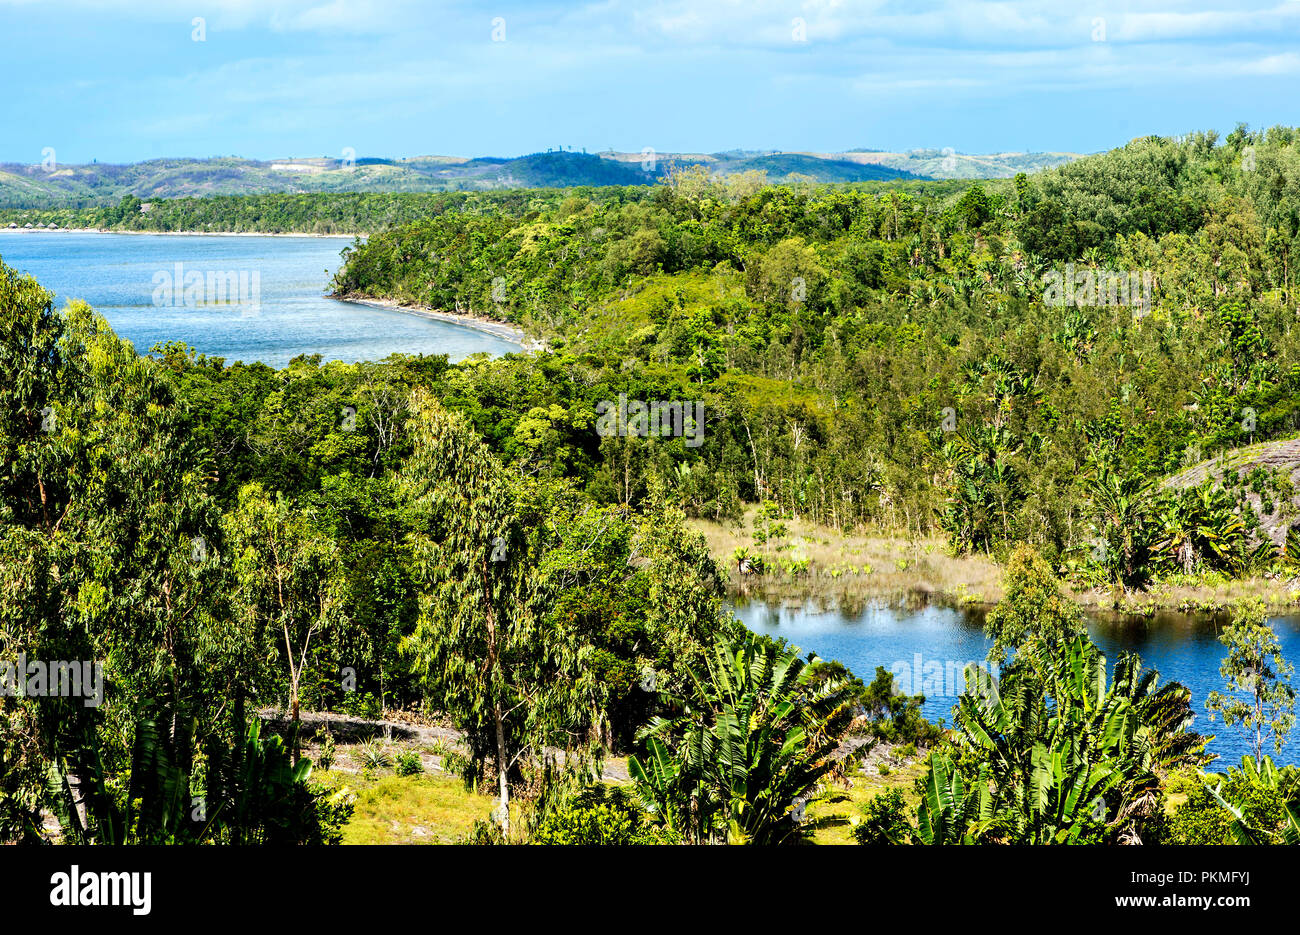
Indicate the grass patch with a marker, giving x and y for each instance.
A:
(848, 566)
(833, 815)
(423, 809)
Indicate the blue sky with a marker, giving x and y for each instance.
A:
(123, 80)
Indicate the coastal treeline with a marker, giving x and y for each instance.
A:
(341, 212)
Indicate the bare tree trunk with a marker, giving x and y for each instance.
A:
(502, 782)
(498, 716)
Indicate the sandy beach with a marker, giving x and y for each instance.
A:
(493, 327)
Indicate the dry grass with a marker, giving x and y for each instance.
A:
(851, 568)
(862, 566)
(1209, 593)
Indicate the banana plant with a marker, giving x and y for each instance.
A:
(754, 736)
(1052, 754)
(1263, 773)
(953, 812)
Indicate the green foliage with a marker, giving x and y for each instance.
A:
(1034, 611)
(408, 764)
(885, 820)
(894, 716)
(374, 755)
(1260, 697)
(756, 733)
(599, 815)
(1256, 804)
(289, 583)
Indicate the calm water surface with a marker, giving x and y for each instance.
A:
(116, 273)
(1181, 647)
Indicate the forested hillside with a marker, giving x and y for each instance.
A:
(903, 359)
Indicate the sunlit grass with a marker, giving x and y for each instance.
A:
(834, 814)
(423, 809)
(843, 565)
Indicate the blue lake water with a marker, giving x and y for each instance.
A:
(1181, 647)
(120, 275)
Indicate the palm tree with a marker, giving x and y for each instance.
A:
(1202, 524)
(1121, 506)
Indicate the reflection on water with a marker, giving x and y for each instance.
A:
(931, 643)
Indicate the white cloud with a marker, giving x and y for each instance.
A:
(1285, 63)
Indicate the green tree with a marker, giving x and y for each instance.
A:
(1034, 612)
(481, 643)
(289, 584)
(1254, 667)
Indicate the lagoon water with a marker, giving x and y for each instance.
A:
(1181, 647)
(117, 274)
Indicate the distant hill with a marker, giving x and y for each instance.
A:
(947, 164)
(822, 168)
(77, 186)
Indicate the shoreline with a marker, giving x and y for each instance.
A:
(499, 329)
(105, 230)
(823, 565)
(1280, 599)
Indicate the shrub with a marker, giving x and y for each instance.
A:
(334, 809)
(1202, 820)
(894, 716)
(599, 815)
(408, 764)
(365, 706)
(885, 820)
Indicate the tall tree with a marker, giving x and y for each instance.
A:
(1254, 667)
(481, 645)
(289, 583)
